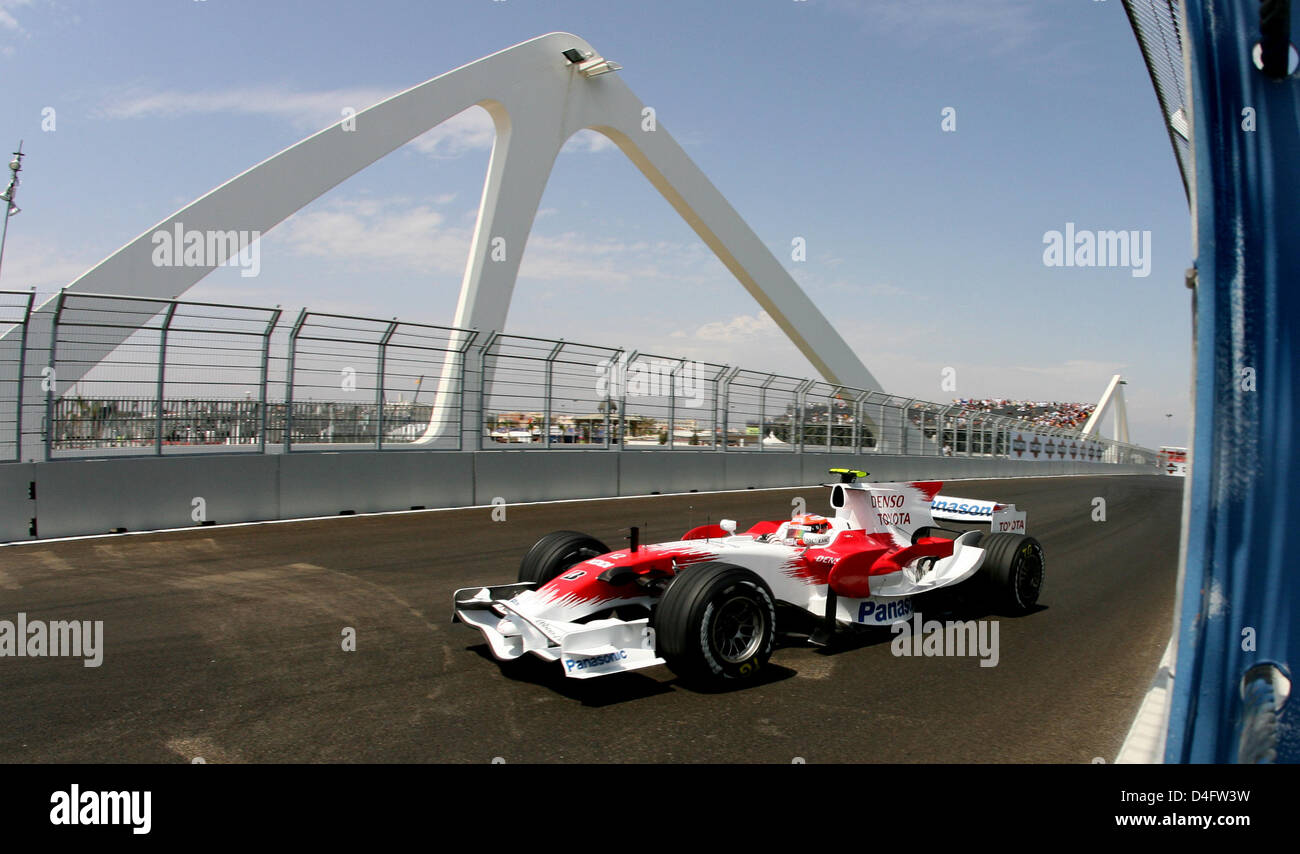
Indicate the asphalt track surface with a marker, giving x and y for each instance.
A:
(226, 644)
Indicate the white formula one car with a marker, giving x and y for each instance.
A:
(706, 604)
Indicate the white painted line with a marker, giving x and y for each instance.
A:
(1145, 742)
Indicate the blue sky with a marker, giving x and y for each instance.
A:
(818, 119)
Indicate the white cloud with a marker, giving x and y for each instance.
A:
(743, 327)
(572, 257)
(8, 21)
(589, 141)
(752, 341)
(36, 263)
(400, 235)
(471, 130)
(376, 234)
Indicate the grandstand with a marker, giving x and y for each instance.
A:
(1040, 413)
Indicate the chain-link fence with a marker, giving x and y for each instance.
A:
(131, 376)
(1159, 27)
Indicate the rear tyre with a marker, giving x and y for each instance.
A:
(1014, 568)
(556, 552)
(716, 624)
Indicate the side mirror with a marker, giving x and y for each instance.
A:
(728, 525)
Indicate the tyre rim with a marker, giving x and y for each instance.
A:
(1029, 575)
(738, 630)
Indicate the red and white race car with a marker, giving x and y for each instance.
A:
(706, 604)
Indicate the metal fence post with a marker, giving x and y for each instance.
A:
(52, 381)
(290, 376)
(162, 371)
(482, 389)
(877, 434)
(891, 403)
(550, 391)
(905, 425)
(622, 403)
(859, 413)
(830, 417)
(22, 377)
(800, 406)
(719, 410)
(379, 384)
(855, 438)
(722, 405)
(261, 393)
(462, 355)
(672, 404)
(616, 372)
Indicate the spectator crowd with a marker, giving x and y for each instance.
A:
(1041, 413)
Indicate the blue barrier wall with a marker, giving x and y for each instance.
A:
(1240, 595)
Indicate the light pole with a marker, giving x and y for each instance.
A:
(15, 166)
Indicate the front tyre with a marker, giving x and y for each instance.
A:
(556, 552)
(716, 623)
(1014, 567)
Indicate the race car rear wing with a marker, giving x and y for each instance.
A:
(902, 509)
(1001, 518)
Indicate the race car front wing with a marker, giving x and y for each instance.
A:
(594, 648)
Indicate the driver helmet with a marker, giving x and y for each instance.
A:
(808, 523)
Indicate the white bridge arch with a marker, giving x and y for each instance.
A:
(537, 99)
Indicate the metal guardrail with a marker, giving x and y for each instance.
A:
(194, 377)
(15, 314)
